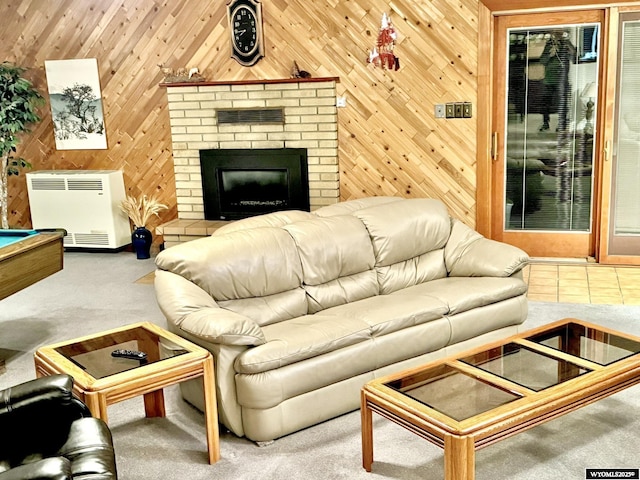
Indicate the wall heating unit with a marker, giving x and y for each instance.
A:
(86, 203)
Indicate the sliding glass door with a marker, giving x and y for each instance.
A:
(623, 235)
(545, 131)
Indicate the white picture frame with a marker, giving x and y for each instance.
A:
(76, 104)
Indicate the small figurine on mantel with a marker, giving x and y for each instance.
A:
(297, 73)
(180, 75)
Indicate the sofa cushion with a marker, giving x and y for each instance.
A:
(274, 219)
(423, 268)
(386, 314)
(249, 263)
(337, 260)
(492, 317)
(243, 270)
(469, 254)
(301, 338)
(341, 290)
(465, 293)
(257, 391)
(350, 206)
(403, 231)
(270, 308)
(332, 247)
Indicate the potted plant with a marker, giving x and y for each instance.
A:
(18, 103)
(140, 210)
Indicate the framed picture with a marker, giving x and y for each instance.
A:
(76, 104)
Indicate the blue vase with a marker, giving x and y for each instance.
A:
(141, 239)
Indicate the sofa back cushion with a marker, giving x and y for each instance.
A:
(403, 230)
(273, 219)
(426, 267)
(337, 260)
(350, 206)
(242, 268)
(408, 239)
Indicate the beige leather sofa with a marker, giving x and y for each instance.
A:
(301, 309)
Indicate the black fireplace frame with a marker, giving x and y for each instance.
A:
(214, 162)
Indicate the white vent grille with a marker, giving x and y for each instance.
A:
(72, 184)
(251, 116)
(91, 184)
(48, 184)
(100, 239)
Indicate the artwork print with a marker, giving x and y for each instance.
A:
(76, 104)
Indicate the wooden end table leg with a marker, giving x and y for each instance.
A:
(211, 410)
(154, 404)
(97, 404)
(459, 458)
(367, 432)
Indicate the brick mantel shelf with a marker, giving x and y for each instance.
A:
(250, 82)
(310, 122)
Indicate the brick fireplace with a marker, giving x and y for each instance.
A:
(305, 118)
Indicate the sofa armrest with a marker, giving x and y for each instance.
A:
(469, 254)
(51, 394)
(217, 325)
(53, 468)
(193, 310)
(56, 388)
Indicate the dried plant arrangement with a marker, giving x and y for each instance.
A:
(141, 209)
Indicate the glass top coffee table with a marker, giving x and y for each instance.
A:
(479, 397)
(101, 379)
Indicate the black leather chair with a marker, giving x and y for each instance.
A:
(47, 433)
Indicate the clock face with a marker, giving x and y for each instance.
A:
(245, 30)
(245, 22)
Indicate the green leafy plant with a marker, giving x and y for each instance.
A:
(19, 101)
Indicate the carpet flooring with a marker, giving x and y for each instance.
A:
(97, 291)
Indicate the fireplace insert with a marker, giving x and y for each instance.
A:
(242, 183)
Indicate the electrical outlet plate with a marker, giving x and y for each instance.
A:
(439, 110)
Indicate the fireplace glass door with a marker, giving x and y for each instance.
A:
(240, 183)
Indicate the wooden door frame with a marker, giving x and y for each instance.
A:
(609, 114)
(488, 10)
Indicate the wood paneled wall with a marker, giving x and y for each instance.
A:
(390, 142)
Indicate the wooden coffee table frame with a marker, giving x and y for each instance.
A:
(147, 380)
(461, 439)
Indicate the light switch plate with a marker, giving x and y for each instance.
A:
(466, 110)
(450, 110)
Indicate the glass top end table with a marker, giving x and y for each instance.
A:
(94, 355)
(101, 379)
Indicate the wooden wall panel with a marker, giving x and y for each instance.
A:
(389, 141)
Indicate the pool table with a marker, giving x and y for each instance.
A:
(28, 256)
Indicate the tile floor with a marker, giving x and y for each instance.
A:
(583, 283)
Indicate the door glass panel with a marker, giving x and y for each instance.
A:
(625, 230)
(550, 122)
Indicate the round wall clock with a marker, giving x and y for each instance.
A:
(245, 23)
